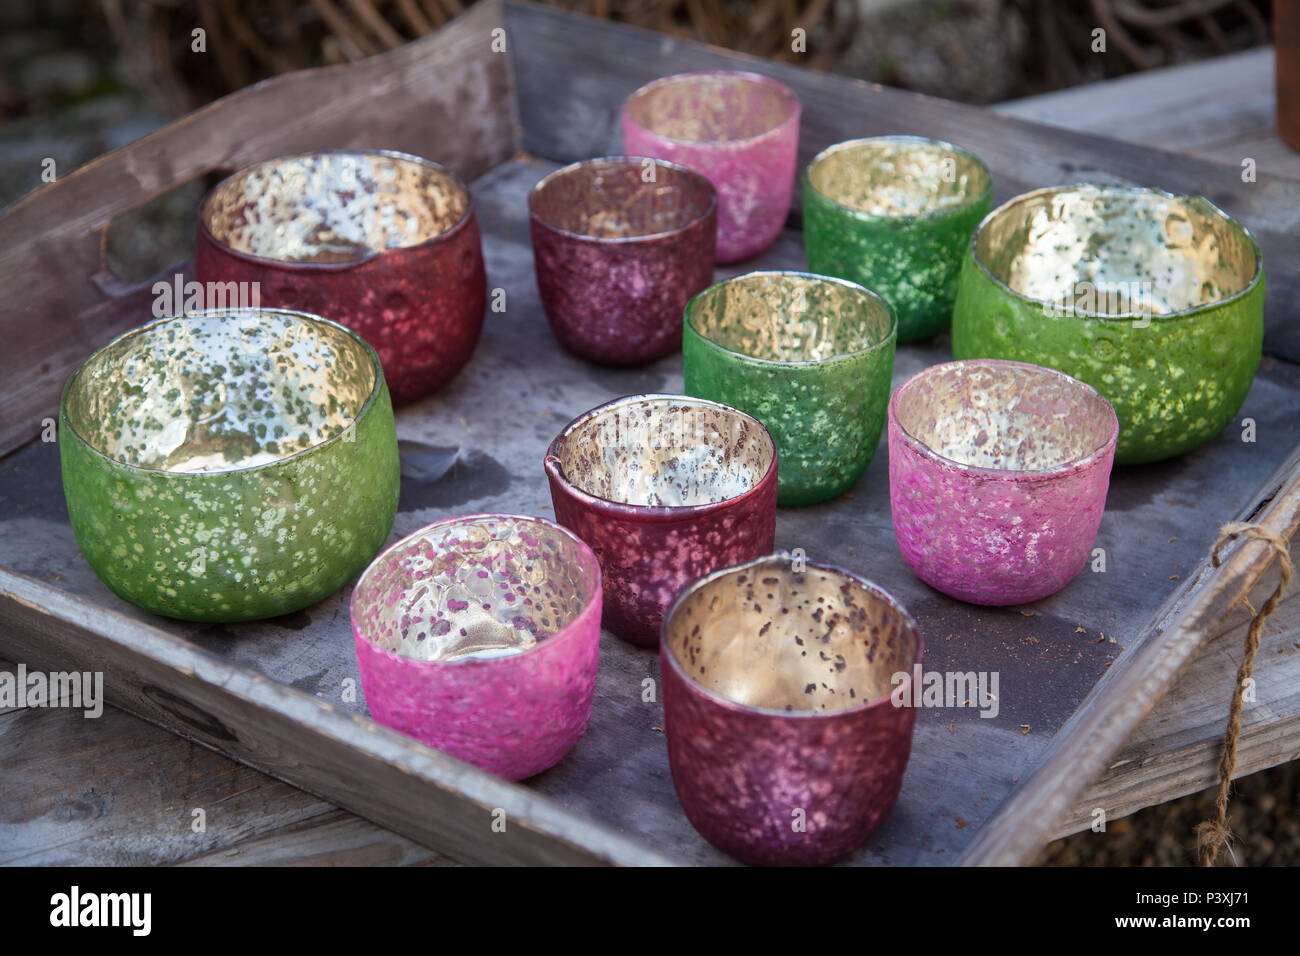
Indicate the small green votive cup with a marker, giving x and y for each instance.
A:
(1155, 300)
(810, 357)
(229, 465)
(895, 214)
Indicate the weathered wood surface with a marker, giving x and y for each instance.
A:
(502, 412)
(1176, 751)
(1222, 109)
(447, 97)
(576, 72)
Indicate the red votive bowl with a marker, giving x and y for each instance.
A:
(783, 740)
(739, 129)
(382, 242)
(998, 473)
(620, 246)
(665, 489)
(478, 635)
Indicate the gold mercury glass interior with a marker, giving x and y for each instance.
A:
(788, 317)
(666, 451)
(609, 199)
(710, 108)
(213, 392)
(770, 637)
(1114, 251)
(442, 595)
(333, 207)
(1011, 418)
(897, 177)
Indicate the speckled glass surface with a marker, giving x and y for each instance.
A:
(385, 243)
(665, 489)
(998, 473)
(739, 129)
(808, 356)
(479, 636)
(895, 214)
(784, 745)
(226, 466)
(1155, 300)
(619, 246)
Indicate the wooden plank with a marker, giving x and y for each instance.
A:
(1177, 749)
(1084, 747)
(575, 72)
(381, 775)
(446, 96)
(115, 791)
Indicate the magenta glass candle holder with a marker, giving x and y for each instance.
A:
(382, 242)
(620, 245)
(998, 474)
(664, 489)
(479, 636)
(784, 742)
(739, 129)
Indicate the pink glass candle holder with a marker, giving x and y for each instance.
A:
(739, 129)
(998, 474)
(783, 740)
(478, 635)
(664, 489)
(620, 245)
(382, 242)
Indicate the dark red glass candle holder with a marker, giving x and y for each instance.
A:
(665, 489)
(382, 242)
(784, 741)
(620, 245)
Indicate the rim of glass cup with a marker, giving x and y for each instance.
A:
(784, 556)
(1118, 318)
(612, 160)
(369, 351)
(344, 264)
(1075, 464)
(892, 335)
(551, 464)
(750, 75)
(985, 193)
(591, 579)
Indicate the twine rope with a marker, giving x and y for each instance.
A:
(1212, 835)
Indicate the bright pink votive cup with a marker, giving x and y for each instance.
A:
(739, 129)
(779, 677)
(478, 635)
(998, 474)
(665, 489)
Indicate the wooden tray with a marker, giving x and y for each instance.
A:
(271, 694)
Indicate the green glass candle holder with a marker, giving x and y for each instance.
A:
(808, 356)
(1155, 300)
(229, 465)
(895, 214)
